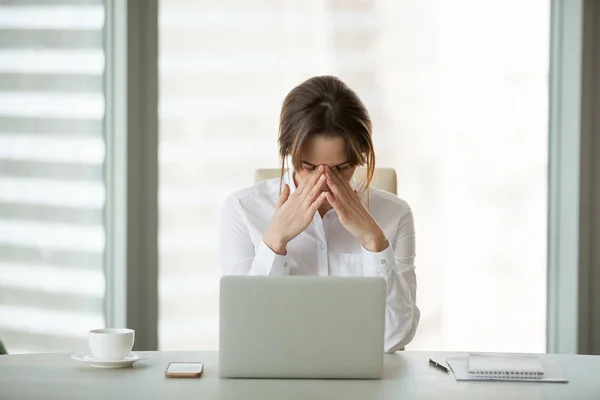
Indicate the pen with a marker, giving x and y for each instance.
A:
(438, 365)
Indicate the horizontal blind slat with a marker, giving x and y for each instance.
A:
(70, 258)
(51, 39)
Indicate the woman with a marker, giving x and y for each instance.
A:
(315, 220)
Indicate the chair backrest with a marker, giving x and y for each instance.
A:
(383, 179)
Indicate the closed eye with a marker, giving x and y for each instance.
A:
(341, 167)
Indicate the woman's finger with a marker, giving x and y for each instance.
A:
(335, 203)
(283, 197)
(315, 191)
(308, 183)
(338, 186)
(341, 182)
(301, 186)
(314, 207)
(334, 186)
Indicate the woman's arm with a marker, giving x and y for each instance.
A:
(237, 253)
(390, 258)
(395, 265)
(293, 213)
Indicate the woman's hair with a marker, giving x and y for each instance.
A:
(324, 105)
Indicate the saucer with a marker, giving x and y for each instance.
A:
(96, 363)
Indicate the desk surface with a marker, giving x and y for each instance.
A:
(406, 376)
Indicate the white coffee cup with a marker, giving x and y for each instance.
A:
(111, 344)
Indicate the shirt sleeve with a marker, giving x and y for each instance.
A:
(396, 265)
(237, 253)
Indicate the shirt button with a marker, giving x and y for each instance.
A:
(383, 262)
(285, 264)
(322, 246)
(327, 216)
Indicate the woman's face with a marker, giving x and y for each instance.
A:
(324, 150)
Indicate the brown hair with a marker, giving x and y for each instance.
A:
(324, 105)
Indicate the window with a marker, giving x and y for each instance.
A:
(51, 174)
(459, 104)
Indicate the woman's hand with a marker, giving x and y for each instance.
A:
(353, 214)
(294, 213)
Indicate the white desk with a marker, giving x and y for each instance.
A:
(406, 376)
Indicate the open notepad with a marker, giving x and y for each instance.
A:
(504, 367)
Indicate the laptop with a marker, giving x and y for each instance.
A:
(301, 327)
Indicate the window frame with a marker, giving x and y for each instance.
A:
(131, 168)
(131, 173)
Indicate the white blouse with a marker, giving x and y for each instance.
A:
(326, 248)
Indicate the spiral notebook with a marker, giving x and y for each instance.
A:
(505, 367)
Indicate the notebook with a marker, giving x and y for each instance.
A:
(503, 367)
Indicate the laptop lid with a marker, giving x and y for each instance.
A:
(301, 327)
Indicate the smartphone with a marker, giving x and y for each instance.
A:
(184, 370)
